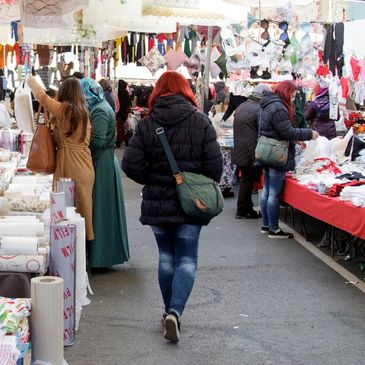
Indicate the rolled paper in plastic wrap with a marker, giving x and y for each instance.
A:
(57, 207)
(68, 186)
(24, 263)
(23, 229)
(47, 319)
(81, 274)
(19, 245)
(63, 264)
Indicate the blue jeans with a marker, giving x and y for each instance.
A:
(270, 199)
(178, 249)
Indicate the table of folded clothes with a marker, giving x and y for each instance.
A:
(329, 183)
(331, 210)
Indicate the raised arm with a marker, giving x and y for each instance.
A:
(52, 105)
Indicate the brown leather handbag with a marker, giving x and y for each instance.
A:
(42, 159)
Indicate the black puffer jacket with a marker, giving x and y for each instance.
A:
(275, 123)
(245, 131)
(194, 144)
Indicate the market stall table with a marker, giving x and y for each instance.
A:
(333, 211)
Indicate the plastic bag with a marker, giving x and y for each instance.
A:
(23, 108)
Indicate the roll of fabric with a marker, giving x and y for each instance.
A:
(68, 186)
(19, 245)
(63, 264)
(24, 263)
(28, 229)
(57, 206)
(47, 319)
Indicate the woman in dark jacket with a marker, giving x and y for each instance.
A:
(318, 113)
(276, 122)
(245, 130)
(123, 110)
(194, 144)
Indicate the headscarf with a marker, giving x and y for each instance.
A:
(321, 103)
(93, 92)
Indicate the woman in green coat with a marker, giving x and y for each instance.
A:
(110, 246)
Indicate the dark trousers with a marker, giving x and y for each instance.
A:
(244, 201)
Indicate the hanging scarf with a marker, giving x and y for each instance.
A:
(93, 92)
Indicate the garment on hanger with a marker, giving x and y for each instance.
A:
(170, 42)
(14, 30)
(125, 50)
(333, 96)
(160, 43)
(333, 49)
(141, 48)
(132, 47)
(362, 69)
(44, 54)
(118, 45)
(151, 41)
(5, 49)
(16, 50)
(359, 92)
(355, 68)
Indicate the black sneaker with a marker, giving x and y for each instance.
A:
(250, 215)
(172, 325)
(264, 229)
(280, 234)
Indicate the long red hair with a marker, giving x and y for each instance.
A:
(171, 82)
(285, 90)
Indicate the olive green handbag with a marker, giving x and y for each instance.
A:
(271, 152)
(199, 195)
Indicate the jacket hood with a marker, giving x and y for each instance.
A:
(268, 98)
(172, 109)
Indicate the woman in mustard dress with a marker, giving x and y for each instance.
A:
(71, 131)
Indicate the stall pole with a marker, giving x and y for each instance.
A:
(205, 80)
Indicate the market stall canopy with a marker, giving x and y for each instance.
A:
(197, 12)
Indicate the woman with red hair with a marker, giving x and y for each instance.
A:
(276, 121)
(194, 145)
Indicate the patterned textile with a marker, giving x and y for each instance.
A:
(47, 13)
(14, 321)
(228, 170)
(153, 60)
(8, 351)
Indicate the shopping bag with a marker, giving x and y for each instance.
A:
(23, 108)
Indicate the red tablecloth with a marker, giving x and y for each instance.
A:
(333, 211)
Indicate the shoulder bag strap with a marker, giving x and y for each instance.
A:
(165, 144)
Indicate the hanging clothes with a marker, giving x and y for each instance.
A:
(44, 55)
(132, 47)
(170, 42)
(141, 48)
(151, 41)
(14, 30)
(333, 48)
(333, 96)
(16, 50)
(125, 50)
(4, 51)
(118, 44)
(359, 92)
(160, 43)
(355, 68)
